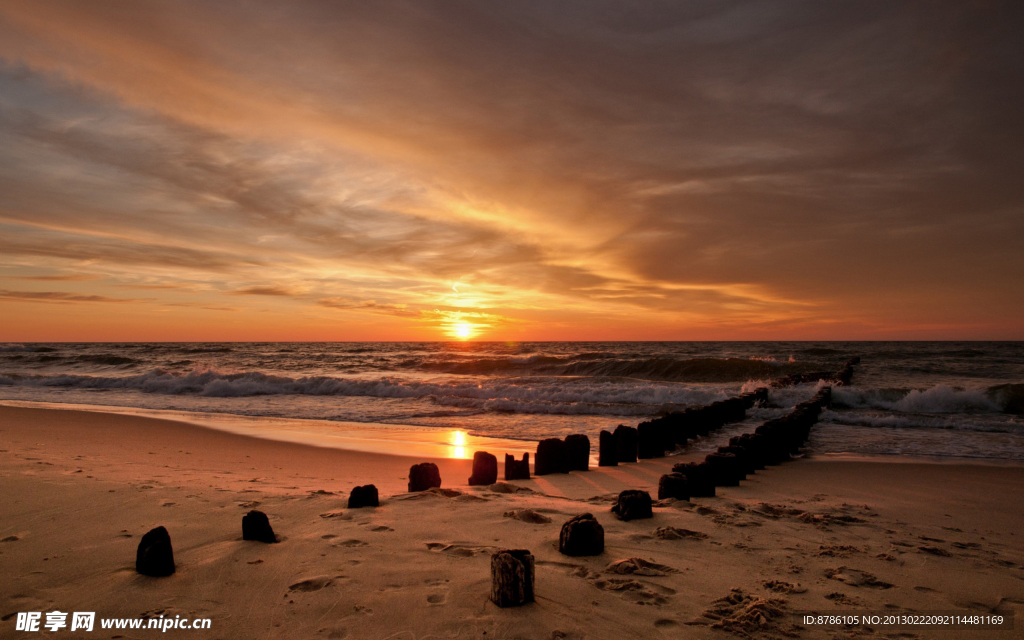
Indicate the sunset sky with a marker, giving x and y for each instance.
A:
(511, 170)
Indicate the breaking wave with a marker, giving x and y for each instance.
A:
(524, 395)
(597, 364)
(601, 364)
(1009, 396)
(956, 422)
(688, 370)
(937, 399)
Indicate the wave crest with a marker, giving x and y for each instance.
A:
(524, 395)
(938, 399)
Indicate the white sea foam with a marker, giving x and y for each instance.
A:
(544, 396)
(998, 423)
(937, 399)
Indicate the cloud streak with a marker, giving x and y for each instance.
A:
(59, 297)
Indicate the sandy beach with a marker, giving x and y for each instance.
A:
(80, 488)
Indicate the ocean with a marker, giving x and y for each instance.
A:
(934, 399)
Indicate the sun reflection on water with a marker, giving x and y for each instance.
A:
(458, 442)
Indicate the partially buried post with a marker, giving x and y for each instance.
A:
(512, 577)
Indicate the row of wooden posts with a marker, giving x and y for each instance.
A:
(771, 443)
(512, 570)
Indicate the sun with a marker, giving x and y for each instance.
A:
(463, 330)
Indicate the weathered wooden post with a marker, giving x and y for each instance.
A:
(512, 577)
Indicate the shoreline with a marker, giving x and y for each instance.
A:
(368, 437)
(419, 441)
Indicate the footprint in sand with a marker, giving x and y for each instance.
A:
(779, 586)
(640, 567)
(433, 492)
(504, 487)
(456, 549)
(311, 584)
(341, 515)
(382, 528)
(836, 550)
(352, 543)
(842, 598)
(742, 614)
(635, 591)
(575, 570)
(10, 539)
(469, 497)
(673, 533)
(824, 520)
(527, 515)
(437, 598)
(776, 511)
(856, 578)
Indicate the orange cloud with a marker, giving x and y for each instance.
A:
(659, 173)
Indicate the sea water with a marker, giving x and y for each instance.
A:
(949, 399)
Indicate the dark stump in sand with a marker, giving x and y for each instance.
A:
(754, 446)
(682, 428)
(512, 577)
(256, 526)
(364, 496)
(608, 452)
(725, 469)
(423, 476)
(485, 469)
(625, 441)
(673, 485)
(517, 469)
(550, 457)
(745, 457)
(668, 426)
(581, 536)
(155, 557)
(699, 479)
(577, 452)
(648, 442)
(633, 505)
